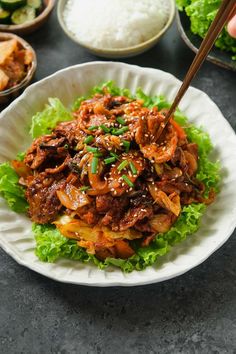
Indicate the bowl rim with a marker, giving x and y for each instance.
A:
(60, 8)
(48, 8)
(32, 68)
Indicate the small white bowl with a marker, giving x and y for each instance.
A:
(113, 52)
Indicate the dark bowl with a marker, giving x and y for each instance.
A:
(6, 96)
(31, 26)
(193, 41)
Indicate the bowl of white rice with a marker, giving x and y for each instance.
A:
(116, 28)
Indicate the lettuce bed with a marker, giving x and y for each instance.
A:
(51, 245)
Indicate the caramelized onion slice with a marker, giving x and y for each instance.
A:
(78, 229)
(72, 198)
(21, 168)
(170, 203)
(161, 222)
(99, 186)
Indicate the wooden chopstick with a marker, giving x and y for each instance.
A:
(225, 11)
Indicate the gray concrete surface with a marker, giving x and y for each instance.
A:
(195, 313)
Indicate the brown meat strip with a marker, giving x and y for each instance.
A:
(42, 198)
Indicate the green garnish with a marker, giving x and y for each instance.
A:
(122, 165)
(89, 139)
(104, 128)
(94, 165)
(97, 154)
(133, 168)
(91, 149)
(93, 127)
(126, 145)
(121, 120)
(114, 155)
(120, 131)
(109, 160)
(127, 180)
(84, 188)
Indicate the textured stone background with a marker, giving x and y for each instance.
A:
(195, 313)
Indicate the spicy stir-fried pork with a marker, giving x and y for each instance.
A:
(104, 179)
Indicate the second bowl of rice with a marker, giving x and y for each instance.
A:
(118, 28)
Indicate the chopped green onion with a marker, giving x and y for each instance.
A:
(97, 154)
(109, 160)
(93, 127)
(127, 180)
(104, 128)
(126, 145)
(114, 155)
(120, 131)
(133, 168)
(89, 139)
(84, 188)
(91, 149)
(94, 165)
(121, 120)
(66, 146)
(122, 165)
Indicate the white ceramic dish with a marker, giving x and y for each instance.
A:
(217, 225)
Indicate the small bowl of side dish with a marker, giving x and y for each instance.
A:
(24, 16)
(136, 28)
(17, 66)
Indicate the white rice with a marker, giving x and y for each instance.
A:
(115, 23)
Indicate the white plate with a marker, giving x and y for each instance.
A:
(217, 225)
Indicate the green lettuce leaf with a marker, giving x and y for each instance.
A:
(51, 245)
(152, 101)
(20, 156)
(54, 113)
(11, 190)
(201, 14)
(112, 89)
